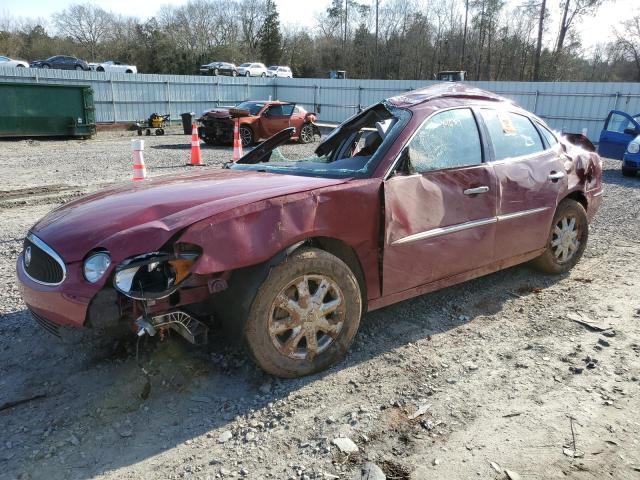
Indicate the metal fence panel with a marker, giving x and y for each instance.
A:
(120, 97)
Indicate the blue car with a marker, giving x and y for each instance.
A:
(619, 129)
(631, 158)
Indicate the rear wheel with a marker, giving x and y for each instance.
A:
(629, 172)
(246, 135)
(305, 315)
(78, 68)
(46, 67)
(306, 133)
(216, 71)
(567, 238)
(234, 74)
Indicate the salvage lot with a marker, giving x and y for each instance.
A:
(497, 367)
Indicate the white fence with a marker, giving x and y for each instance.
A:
(568, 106)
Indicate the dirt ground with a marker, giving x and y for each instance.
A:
(491, 379)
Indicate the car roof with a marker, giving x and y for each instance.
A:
(445, 90)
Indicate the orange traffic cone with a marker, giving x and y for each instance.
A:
(196, 157)
(139, 170)
(237, 143)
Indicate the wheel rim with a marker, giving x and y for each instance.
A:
(565, 240)
(306, 317)
(306, 133)
(246, 136)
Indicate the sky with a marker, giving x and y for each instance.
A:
(598, 28)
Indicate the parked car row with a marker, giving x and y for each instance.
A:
(67, 62)
(249, 69)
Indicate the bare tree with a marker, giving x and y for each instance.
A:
(87, 24)
(628, 43)
(536, 65)
(572, 10)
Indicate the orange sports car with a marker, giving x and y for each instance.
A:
(259, 120)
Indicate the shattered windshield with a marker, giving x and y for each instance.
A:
(353, 149)
(253, 107)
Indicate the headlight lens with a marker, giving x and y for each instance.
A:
(96, 265)
(634, 147)
(154, 275)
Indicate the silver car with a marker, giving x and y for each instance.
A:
(252, 70)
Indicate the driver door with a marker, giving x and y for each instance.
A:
(440, 212)
(619, 129)
(276, 118)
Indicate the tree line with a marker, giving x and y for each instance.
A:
(386, 39)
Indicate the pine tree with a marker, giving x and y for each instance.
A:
(270, 36)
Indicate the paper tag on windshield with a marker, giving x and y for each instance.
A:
(507, 125)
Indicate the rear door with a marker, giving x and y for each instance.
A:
(531, 175)
(440, 212)
(619, 129)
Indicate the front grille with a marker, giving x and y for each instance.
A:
(48, 325)
(41, 263)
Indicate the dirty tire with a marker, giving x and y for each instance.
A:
(246, 135)
(551, 261)
(629, 172)
(329, 282)
(306, 133)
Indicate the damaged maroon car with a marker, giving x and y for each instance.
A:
(413, 194)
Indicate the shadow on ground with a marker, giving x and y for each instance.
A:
(93, 396)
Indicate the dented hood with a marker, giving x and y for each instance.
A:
(140, 217)
(217, 113)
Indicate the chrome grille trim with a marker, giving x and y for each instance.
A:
(49, 251)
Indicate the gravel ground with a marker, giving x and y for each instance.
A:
(490, 379)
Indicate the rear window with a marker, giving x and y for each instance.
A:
(512, 135)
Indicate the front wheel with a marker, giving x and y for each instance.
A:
(629, 172)
(306, 133)
(79, 68)
(46, 67)
(216, 71)
(234, 74)
(305, 315)
(263, 74)
(567, 238)
(246, 136)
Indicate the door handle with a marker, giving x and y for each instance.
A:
(555, 176)
(476, 190)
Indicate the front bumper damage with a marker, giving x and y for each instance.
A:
(109, 313)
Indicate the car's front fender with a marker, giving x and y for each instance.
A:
(254, 233)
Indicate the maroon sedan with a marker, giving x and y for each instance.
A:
(421, 191)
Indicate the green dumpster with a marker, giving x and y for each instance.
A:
(37, 109)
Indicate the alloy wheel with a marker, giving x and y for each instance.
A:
(306, 316)
(306, 134)
(565, 239)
